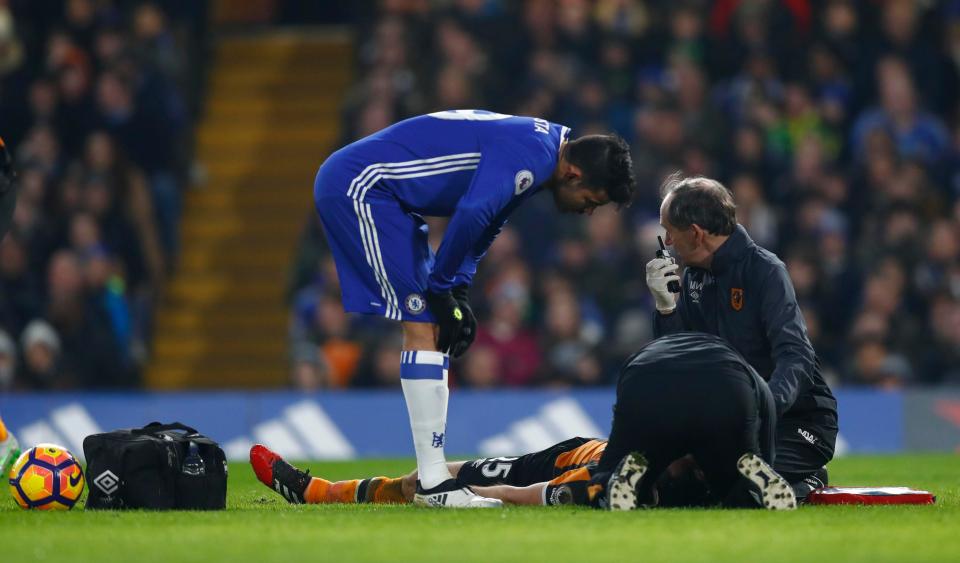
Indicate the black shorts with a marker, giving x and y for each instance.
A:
(532, 468)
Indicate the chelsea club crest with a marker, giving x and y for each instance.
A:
(415, 303)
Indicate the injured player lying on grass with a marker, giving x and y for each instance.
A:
(684, 400)
(558, 475)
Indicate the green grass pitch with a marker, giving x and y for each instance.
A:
(260, 526)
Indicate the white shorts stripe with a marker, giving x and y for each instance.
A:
(352, 192)
(368, 251)
(368, 247)
(363, 238)
(365, 207)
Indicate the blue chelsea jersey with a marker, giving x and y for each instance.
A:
(473, 166)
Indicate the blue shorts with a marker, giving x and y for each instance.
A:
(381, 251)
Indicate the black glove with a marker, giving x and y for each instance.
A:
(468, 330)
(449, 317)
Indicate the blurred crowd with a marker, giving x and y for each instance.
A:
(96, 102)
(834, 123)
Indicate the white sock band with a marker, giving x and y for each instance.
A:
(423, 375)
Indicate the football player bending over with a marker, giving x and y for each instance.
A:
(475, 167)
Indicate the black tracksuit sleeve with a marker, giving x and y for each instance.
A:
(786, 331)
(667, 324)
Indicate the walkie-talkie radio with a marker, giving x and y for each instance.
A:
(673, 286)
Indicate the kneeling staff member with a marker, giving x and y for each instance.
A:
(741, 292)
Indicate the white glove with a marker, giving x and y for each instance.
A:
(660, 272)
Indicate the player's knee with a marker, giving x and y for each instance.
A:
(419, 336)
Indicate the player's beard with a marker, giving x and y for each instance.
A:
(560, 194)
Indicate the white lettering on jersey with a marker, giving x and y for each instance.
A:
(469, 115)
(541, 126)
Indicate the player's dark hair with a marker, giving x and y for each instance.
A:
(683, 489)
(606, 165)
(700, 201)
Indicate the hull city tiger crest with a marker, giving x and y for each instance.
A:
(736, 298)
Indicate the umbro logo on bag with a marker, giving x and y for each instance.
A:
(107, 482)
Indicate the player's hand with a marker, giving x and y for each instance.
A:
(449, 318)
(660, 272)
(468, 330)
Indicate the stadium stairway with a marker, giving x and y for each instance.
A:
(272, 115)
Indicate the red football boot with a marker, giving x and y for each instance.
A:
(279, 475)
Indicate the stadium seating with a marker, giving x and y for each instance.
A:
(271, 118)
